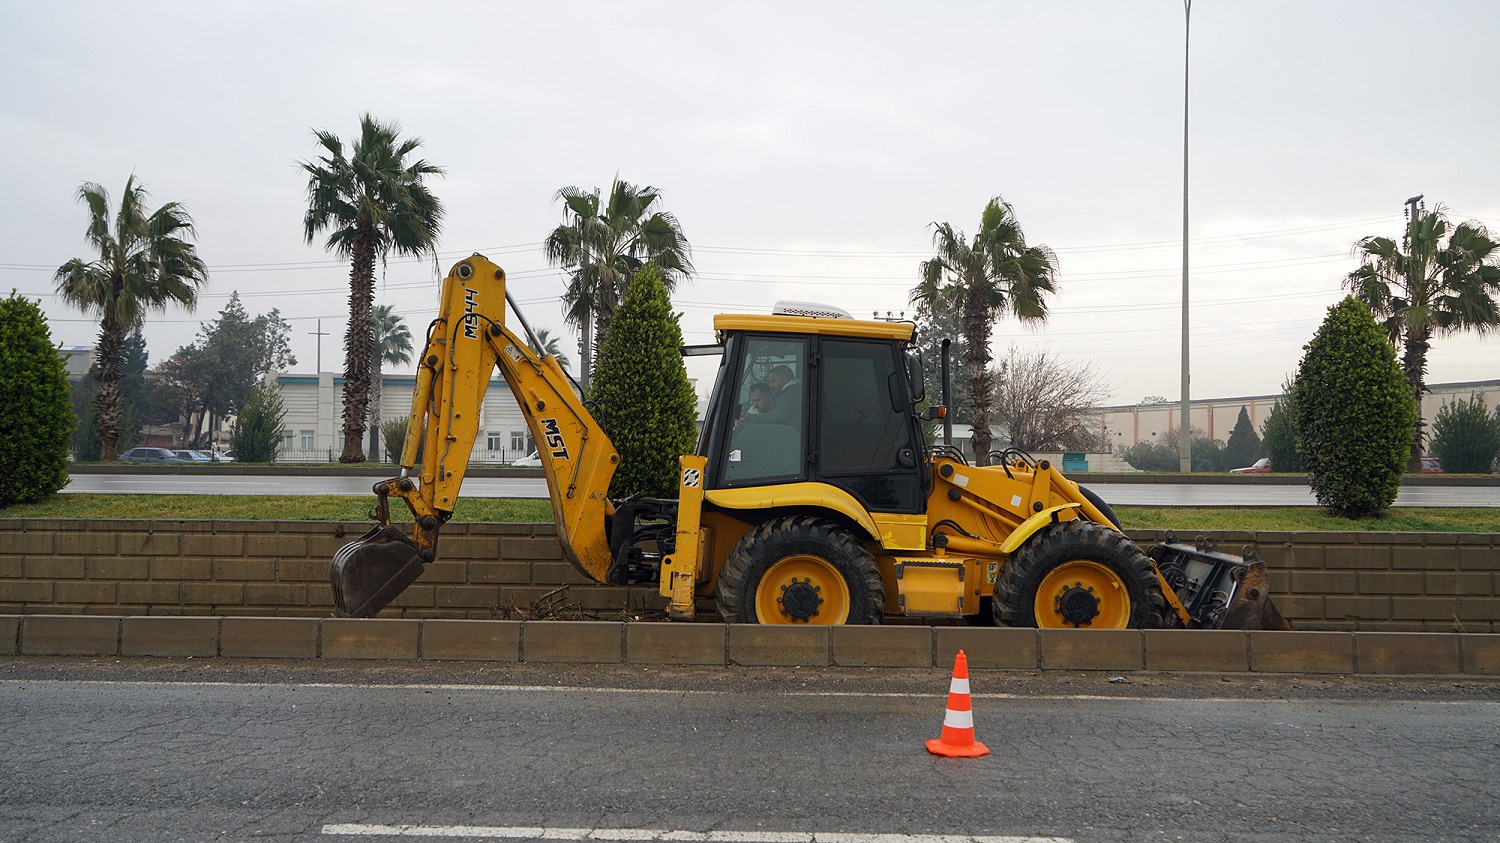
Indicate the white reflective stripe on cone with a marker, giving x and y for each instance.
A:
(958, 719)
(959, 686)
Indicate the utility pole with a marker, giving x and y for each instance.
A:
(320, 335)
(1413, 210)
(1185, 429)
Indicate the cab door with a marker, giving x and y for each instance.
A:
(868, 440)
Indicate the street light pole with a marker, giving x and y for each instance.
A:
(1185, 424)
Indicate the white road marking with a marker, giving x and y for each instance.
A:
(482, 832)
(682, 692)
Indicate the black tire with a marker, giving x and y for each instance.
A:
(825, 555)
(986, 615)
(1099, 504)
(1091, 553)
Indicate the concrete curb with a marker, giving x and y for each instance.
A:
(601, 642)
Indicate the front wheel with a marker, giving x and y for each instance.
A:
(800, 570)
(1078, 574)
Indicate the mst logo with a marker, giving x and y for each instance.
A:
(554, 438)
(471, 321)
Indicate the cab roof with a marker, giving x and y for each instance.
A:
(814, 325)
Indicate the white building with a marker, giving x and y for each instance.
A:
(313, 427)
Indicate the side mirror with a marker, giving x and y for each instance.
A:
(915, 382)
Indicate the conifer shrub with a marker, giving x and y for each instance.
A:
(1466, 436)
(1355, 416)
(645, 401)
(1280, 439)
(1244, 445)
(257, 429)
(36, 409)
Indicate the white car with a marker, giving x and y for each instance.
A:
(1261, 466)
(532, 460)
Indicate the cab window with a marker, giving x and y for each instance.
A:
(767, 438)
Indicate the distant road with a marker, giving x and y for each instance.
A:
(1125, 494)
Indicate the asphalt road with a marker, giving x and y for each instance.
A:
(151, 750)
(1124, 494)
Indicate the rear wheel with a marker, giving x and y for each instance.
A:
(800, 570)
(1078, 574)
(1099, 504)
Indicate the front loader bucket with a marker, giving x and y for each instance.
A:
(371, 571)
(1218, 590)
(1251, 607)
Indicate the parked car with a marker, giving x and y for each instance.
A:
(529, 461)
(1261, 466)
(194, 456)
(150, 455)
(1430, 466)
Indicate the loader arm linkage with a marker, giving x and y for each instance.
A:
(465, 343)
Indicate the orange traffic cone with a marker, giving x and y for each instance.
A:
(958, 723)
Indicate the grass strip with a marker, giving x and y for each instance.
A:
(1301, 519)
(266, 508)
(535, 511)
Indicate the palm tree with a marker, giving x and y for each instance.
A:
(372, 202)
(1433, 283)
(983, 279)
(604, 248)
(145, 263)
(392, 344)
(550, 344)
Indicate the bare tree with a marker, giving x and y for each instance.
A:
(1049, 403)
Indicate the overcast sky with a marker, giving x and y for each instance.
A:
(805, 147)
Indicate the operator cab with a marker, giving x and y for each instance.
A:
(809, 394)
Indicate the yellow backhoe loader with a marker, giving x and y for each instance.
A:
(813, 497)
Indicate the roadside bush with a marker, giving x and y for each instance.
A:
(646, 403)
(36, 409)
(1355, 416)
(1466, 436)
(1163, 456)
(1280, 439)
(393, 438)
(1155, 457)
(85, 443)
(257, 430)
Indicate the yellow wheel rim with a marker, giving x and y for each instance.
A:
(1082, 594)
(802, 590)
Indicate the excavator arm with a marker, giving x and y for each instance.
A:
(465, 343)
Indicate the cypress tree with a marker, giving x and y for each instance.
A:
(36, 410)
(1355, 416)
(1244, 445)
(645, 401)
(1280, 440)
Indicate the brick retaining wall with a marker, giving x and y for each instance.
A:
(1394, 582)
